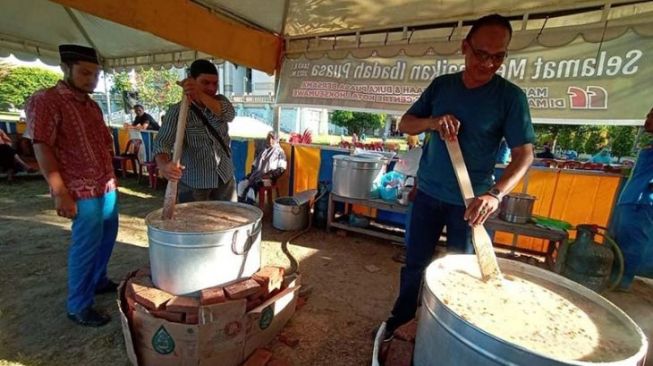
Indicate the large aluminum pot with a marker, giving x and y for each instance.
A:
(354, 176)
(517, 207)
(445, 338)
(208, 244)
(288, 215)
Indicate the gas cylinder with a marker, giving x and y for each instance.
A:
(590, 263)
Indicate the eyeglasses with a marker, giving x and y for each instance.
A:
(484, 56)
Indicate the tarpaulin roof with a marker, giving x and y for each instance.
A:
(251, 32)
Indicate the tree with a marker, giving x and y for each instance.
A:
(121, 83)
(158, 88)
(623, 140)
(596, 139)
(19, 83)
(566, 137)
(357, 122)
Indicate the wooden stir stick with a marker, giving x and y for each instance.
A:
(171, 190)
(487, 260)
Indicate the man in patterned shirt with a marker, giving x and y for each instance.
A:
(206, 171)
(73, 148)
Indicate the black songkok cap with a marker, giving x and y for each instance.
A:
(74, 53)
(202, 67)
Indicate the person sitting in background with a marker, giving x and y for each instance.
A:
(602, 157)
(144, 121)
(9, 158)
(546, 154)
(354, 138)
(269, 163)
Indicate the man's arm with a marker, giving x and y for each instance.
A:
(163, 144)
(63, 201)
(484, 205)
(522, 158)
(447, 125)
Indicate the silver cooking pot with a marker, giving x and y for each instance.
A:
(517, 207)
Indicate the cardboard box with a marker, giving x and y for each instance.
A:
(225, 334)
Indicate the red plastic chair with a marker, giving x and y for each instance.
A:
(130, 154)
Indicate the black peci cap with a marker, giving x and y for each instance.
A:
(74, 53)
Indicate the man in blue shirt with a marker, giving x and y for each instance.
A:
(633, 217)
(479, 108)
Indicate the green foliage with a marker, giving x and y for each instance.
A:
(19, 83)
(645, 139)
(121, 83)
(158, 88)
(357, 122)
(566, 137)
(622, 140)
(595, 139)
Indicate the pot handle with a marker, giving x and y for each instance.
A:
(296, 210)
(251, 239)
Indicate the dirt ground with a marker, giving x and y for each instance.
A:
(334, 327)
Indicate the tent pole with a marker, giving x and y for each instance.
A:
(108, 96)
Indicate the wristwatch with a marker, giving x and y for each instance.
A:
(496, 193)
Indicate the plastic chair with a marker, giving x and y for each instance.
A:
(130, 154)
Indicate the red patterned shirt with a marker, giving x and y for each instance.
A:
(71, 123)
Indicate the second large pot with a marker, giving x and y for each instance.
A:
(354, 176)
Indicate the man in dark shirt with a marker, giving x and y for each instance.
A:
(144, 121)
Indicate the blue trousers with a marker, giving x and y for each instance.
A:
(633, 231)
(426, 219)
(94, 234)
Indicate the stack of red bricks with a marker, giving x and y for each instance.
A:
(263, 285)
(399, 350)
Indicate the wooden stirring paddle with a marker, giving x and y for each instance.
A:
(170, 198)
(487, 260)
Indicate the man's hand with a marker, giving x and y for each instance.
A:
(191, 89)
(480, 209)
(171, 171)
(447, 125)
(65, 205)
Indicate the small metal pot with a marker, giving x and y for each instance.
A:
(517, 207)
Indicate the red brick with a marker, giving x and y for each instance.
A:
(183, 304)
(170, 316)
(400, 353)
(213, 295)
(138, 284)
(407, 332)
(278, 362)
(192, 318)
(242, 289)
(289, 340)
(153, 298)
(260, 357)
(253, 304)
(270, 278)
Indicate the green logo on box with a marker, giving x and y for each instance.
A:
(163, 342)
(266, 317)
